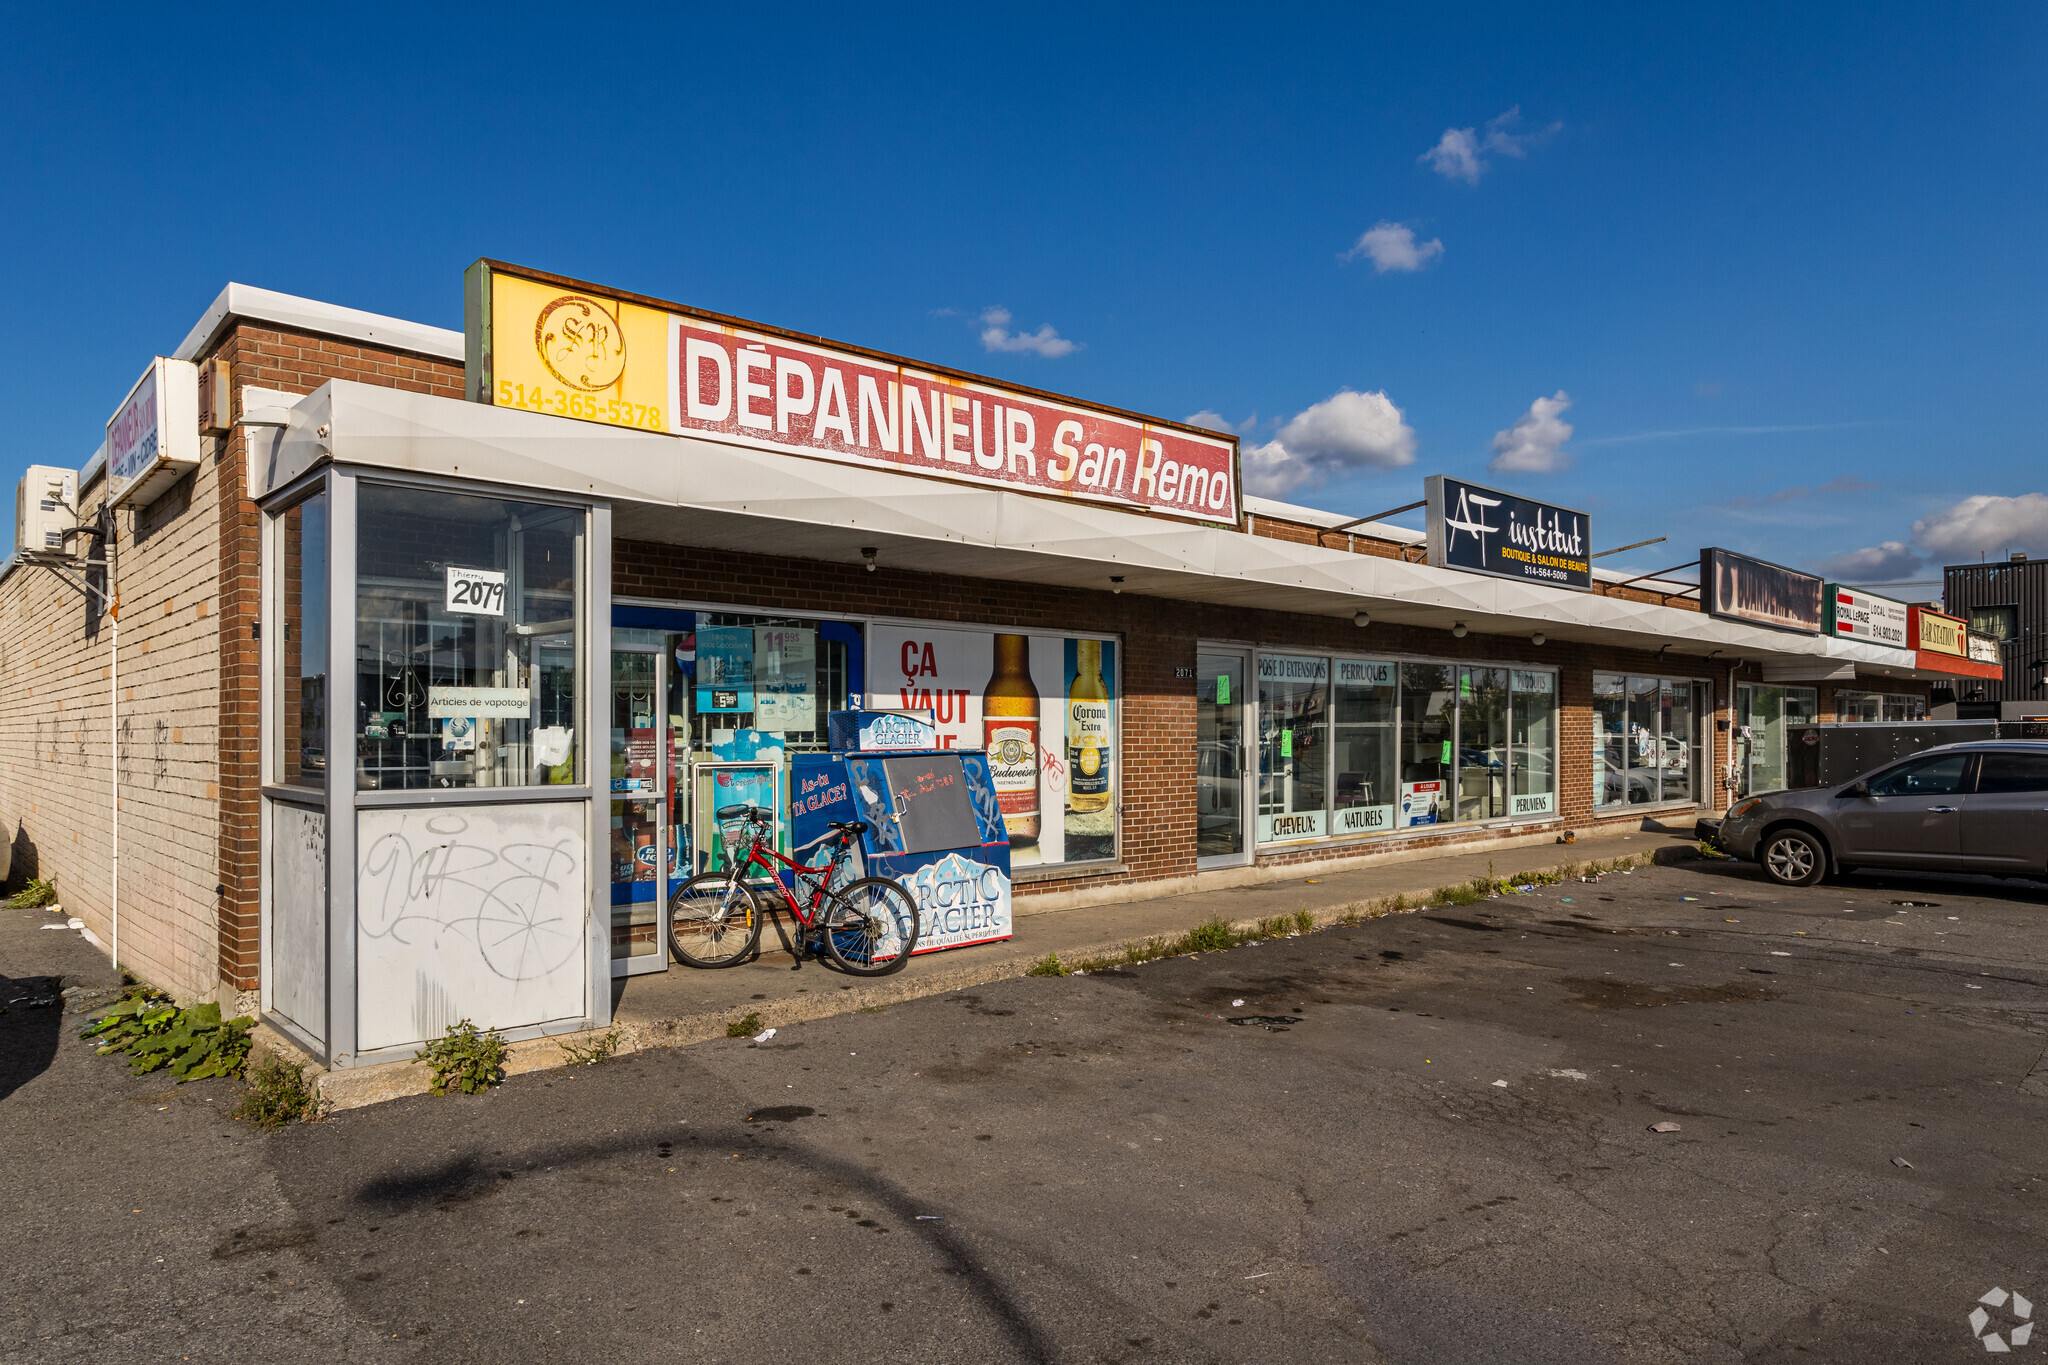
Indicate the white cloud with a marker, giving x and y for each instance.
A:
(1460, 154)
(997, 336)
(1891, 562)
(1535, 443)
(1346, 432)
(1392, 246)
(1981, 525)
(1985, 524)
(1211, 419)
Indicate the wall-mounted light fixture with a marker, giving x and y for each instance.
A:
(1537, 639)
(867, 557)
(1116, 582)
(1459, 630)
(1362, 619)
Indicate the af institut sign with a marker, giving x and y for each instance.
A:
(548, 344)
(1483, 530)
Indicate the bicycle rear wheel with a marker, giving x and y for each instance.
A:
(714, 920)
(870, 926)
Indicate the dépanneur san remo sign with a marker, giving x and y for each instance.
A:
(546, 344)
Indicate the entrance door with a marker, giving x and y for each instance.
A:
(1222, 810)
(641, 744)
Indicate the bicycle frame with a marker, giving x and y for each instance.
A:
(760, 854)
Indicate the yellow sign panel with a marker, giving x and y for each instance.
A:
(572, 354)
(1941, 634)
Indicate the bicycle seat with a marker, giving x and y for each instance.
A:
(736, 812)
(849, 826)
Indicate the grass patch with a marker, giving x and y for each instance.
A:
(603, 1049)
(278, 1094)
(34, 896)
(1210, 936)
(744, 1028)
(465, 1059)
(1049, 965)
(155, 1033)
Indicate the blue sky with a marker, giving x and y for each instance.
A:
(1782, 263)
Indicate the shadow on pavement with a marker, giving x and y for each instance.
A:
(30, 1029)
(460, 1179)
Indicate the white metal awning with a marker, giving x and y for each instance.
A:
(688, 491)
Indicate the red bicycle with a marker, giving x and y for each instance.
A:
(869, 926)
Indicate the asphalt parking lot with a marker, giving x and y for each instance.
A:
(1424, 1138)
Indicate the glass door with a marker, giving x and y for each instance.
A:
(640, 767)
(1221, 809)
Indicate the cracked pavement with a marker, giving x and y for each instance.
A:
(1105, 1168)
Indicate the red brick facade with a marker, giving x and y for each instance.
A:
(292, 363)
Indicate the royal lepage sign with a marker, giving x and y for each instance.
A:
(1854, 615)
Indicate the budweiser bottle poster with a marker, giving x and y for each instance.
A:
(1014, 694)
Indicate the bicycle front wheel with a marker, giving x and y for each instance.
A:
(714, 920)
(871, 926)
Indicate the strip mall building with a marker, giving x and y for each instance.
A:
(599, 559)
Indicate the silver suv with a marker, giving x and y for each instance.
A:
(1980, 807)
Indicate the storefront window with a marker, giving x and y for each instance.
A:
(1410, 744)
(1646, 740)
(1533, 735)
(1429, 719)
(466, 630)
(301, 755)
(1901, 707)
(1482, 743)
(1363, 714)
(1294, 755)
(1764, 714)
(1859, 706)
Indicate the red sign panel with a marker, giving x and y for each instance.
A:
(774, 393)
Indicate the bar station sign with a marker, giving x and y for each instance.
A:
(547, 344)
(1483, 530)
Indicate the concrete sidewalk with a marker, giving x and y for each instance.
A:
(686, 1005)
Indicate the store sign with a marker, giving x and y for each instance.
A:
(1983, 649)
(1483, 530)
(545, 344)
(1937, 633)
(153, 437)
(489, 703)
(1743, 589)
(1419, 802)
(1853, 615)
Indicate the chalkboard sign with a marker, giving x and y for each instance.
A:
(933, 810)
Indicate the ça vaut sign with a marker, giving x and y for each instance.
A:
(1483, 530)
(552, 345)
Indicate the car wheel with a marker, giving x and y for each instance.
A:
(1793, 857)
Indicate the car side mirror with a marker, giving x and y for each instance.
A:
(1857, 789)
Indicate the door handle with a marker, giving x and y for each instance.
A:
(1943, 810)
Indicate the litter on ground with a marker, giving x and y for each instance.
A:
(764, 1035)
(1667, 1126)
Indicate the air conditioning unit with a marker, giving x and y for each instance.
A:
(45, 507)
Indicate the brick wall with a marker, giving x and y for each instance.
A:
(293, 363)
(1160, 637)
(55, 788)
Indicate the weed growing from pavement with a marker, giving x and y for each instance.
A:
(1218, 934)
(465, 1059)
(34, 896)
(194, 1043)
(591, 1054)
(278, 1094)
(744, 1028)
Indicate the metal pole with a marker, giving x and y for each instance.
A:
(114, 737)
